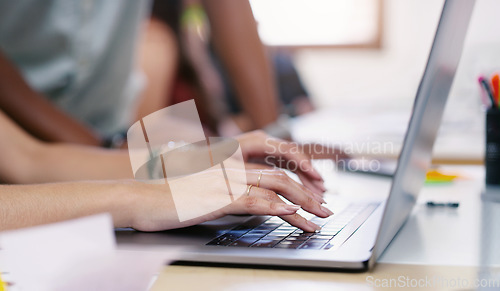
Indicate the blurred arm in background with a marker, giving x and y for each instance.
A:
(35, 113)
(26, 159)
(235, 37)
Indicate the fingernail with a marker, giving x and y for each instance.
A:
(291, 207)
(321, 185)
(313, 173)
(316, 190)
(319, 198)
(317, 175)
(314, 225)
(326, 210)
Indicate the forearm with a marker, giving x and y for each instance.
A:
(236, 40)
(27, 160)
(36, 114)
(23, 206)
(64, 162)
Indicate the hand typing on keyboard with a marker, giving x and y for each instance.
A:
(267, 189)
(264, 198)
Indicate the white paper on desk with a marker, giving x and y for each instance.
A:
(119, 270)
(75, 255)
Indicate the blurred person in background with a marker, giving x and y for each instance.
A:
(202, 75)
(71, 73)
(180, 30)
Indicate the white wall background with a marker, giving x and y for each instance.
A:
(389, 77)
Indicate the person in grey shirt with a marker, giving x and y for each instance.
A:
(80, 56)
(77, 54)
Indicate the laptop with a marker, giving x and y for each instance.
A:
(359, 231)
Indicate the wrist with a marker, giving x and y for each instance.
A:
(30, 163)
(122, 202)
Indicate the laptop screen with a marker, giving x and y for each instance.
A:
(430, 101)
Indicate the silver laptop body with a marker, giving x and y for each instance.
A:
(365, 228)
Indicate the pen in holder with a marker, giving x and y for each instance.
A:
(492, 155)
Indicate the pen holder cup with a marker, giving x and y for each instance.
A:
(492, 153)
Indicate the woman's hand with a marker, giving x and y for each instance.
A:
(155, 208)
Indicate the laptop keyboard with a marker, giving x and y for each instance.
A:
(275, 233)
